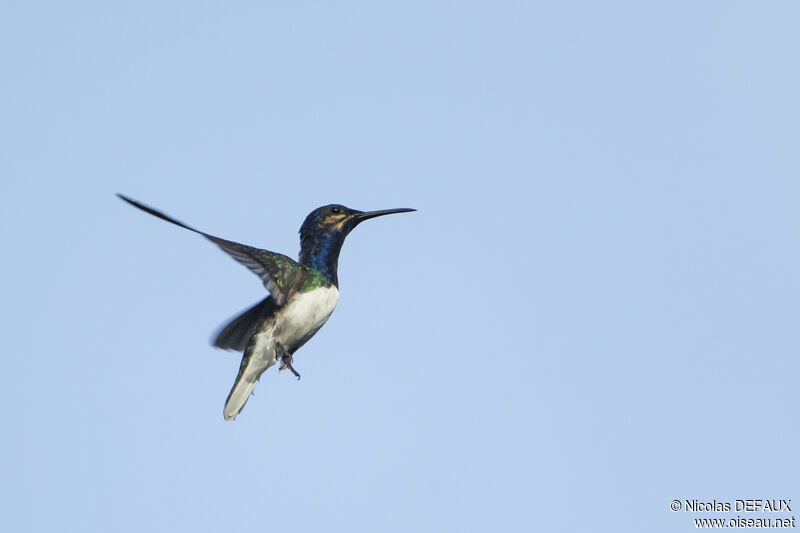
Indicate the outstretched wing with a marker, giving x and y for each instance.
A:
(273, 268)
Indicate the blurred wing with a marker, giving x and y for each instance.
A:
(237, 332)
(271, 267)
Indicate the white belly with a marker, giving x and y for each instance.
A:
(301, 317)
(304, 314)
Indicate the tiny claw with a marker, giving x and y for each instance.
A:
(290, 367)
(286, 360)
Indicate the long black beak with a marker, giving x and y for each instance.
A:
(361, 217)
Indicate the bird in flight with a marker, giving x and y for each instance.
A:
(302, 294)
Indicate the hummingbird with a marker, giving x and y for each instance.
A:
(302, 294)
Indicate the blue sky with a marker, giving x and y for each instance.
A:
(594, 311)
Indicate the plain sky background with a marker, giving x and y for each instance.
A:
(595, 311)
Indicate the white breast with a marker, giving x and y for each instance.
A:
(305, 313)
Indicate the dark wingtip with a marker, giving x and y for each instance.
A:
(131, 201)
(143, 207)
(157, 213)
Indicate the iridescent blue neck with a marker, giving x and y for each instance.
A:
(320, 250)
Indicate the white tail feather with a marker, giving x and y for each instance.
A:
(260, 355)
(238, 397)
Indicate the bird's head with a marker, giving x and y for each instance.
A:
(323, 232)
(338, 219)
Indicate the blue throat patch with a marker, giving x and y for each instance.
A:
(320, 251)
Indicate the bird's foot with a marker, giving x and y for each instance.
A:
(288, 364)
(286, 360)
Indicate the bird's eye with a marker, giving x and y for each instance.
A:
(336, 210)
